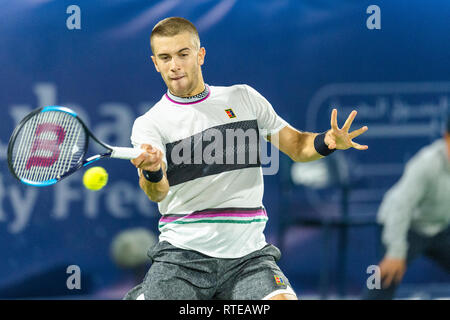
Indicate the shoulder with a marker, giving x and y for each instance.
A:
(428, 159)
(245, 95)
(227, 90)
(238, 89)
(430, 152)
(154, 112)
(147, 123)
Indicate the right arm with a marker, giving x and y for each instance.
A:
(399, 205)
(151, 160)
(397, 210)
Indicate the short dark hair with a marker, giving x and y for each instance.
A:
(172, 26)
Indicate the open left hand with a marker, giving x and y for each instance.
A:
(341, 139)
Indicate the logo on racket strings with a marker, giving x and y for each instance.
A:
(49, 146)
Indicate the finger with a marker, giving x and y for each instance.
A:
(387, 280)
(398, 277)
(334, 125)
(359, 146)
(358, 132)
(150, 159)
(149, 149)
(330, 139)
(159, 155)
(143, 159)
(332, 145)
(153, 150)
(349, 120)
(137, 161)
(155, 157)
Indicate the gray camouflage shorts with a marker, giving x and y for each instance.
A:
(179, 274)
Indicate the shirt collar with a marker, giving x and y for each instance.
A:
(189, 100)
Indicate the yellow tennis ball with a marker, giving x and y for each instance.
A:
(95, 178)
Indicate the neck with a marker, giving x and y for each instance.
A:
(199, 89)
(191, 98)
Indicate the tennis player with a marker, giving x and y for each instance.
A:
(211, 243)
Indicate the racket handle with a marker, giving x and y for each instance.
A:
(125, 153)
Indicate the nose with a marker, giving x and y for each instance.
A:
(174, 64)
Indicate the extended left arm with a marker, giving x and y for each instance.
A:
(299, 146)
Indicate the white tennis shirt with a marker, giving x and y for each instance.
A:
(210, 147)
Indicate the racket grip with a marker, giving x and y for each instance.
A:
(125, 153)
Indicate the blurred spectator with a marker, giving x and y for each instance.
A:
(129, 250)
(415, 214)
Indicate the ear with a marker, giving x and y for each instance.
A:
(201, 56)
(154, 63)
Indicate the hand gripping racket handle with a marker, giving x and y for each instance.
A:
(125, 153)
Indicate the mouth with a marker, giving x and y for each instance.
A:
(176, 78)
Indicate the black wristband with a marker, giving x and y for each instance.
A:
(153, 176)
(320, 146)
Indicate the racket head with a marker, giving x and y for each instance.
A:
(48, 144)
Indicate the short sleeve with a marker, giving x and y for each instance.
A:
(269, 122)
(145, 131)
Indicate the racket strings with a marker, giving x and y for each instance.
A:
(75, 138)
(24, 148)
(42, 153)
(42, 172)
(24, 152)
(63, 164)
(49, 145)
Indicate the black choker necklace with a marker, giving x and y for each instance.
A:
(202, 95)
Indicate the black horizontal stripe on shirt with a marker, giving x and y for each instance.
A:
(217, 210)
(218, 149)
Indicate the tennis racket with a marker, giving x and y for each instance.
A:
(51, 143)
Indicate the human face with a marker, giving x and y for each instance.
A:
(178, 59)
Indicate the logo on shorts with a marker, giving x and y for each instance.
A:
(230, 113)
(279, 280)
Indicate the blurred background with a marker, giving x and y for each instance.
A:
(305, 56)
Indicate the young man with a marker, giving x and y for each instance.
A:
(212, 244)
(415, 214)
